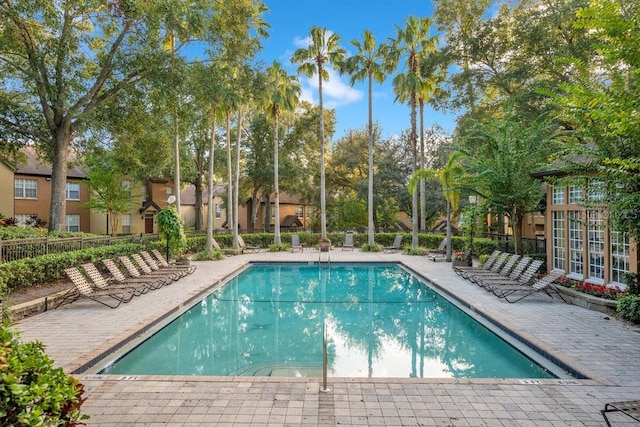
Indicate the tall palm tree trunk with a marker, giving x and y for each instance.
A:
(423, 187)
(323, 196)
(210, 207)
(276, 185)
(231, 220)
(370, 227)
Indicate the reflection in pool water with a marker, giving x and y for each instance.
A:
(381, 322)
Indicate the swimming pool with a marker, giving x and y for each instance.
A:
(381, 321)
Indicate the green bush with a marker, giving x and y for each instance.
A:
(375, 247)
(629, 307)
(204, 256)
(48, 268)
(32, 391)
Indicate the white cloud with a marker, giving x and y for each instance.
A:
(335, 92)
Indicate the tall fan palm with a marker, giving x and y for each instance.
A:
(367, 63)
(282, 97)
(411, 45)
(324, 48)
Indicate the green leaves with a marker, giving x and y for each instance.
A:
(32, 391)
(170, 224)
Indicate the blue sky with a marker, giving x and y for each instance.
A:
(291, 21)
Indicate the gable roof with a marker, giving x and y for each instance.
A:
(188, 194)
(37, 167)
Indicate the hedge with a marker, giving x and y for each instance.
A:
(50, 267)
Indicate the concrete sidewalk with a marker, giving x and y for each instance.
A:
(605, 349)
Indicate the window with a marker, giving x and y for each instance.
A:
(73, 191)
(619, 256)
(144, 193)
(595, 227)
(218, 211)
(126, 185)
(73, 222)
(596, 191)
(300, 212)
(575, 194)
(25, 189)
(557, 196)
(558, 240)
(24, 220)
(576, 263)
(126, 224)
(273, 212)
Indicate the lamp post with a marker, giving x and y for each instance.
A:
(170, 201)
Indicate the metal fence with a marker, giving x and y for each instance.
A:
(12, 250)
(529, 245)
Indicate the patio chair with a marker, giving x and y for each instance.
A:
(348, 241)
(114, 298)
(181, 270)
(524, 279)
(486, 266)
(295, 243)
(504, 270)
(101, 283)
(495, 267)
(245, 248)
(159, 259)
(440, 252)
(154, 269)
(514, 274)
(544, 284)
(118, 276)
(630, 408)
(133, 271)
(397, 244)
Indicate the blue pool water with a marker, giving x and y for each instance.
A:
(381, 322)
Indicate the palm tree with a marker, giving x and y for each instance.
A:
(323, 49)
(411, 44)
(450, 177)
(282, 96)
(367, 63)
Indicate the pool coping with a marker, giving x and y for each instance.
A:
(88, 365)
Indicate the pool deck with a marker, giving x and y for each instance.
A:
(603, 348)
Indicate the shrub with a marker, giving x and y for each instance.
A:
(628, 307)
(632, 280)
(48, 268)
(32, 391)
(204, 256)
(371, 248)
(410, 250)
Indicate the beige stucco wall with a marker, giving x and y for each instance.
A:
(6, 189)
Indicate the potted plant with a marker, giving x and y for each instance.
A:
(459, 259)
(324, 244)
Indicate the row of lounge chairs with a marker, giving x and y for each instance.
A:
(511, 277)
(128, 277)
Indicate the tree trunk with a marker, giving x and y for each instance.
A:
(176, 169)
(448, 231)
(236, 180)
(370, 228)
(414, 198)
(59, 177)
(199, 184)
(231, 221)
(516, 225)
(323, 196)
(211, 208)
(276, 185)
(423, 187)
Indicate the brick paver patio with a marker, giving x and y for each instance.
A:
(603, 348)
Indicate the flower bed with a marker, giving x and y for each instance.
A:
(600, 291)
